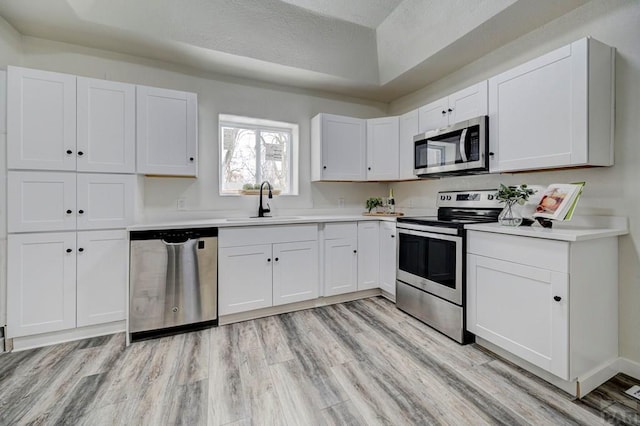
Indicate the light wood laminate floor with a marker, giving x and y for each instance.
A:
(357, 363)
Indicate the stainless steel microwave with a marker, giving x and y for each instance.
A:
(456, 150)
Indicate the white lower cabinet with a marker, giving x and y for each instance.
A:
(101, 276)
(340, 258)
(388, 257)
(244, 277)
(51, 282)
(368, 255)
(260, 267)
(551, 303)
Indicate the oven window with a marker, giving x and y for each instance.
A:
(429, 258)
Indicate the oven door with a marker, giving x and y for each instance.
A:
(431, 262)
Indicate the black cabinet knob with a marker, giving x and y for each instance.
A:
(69, 152)
(393, 236)
(69, 250)
(276, 259)
(190, 158)
(80, 249)
(69, 212)
(80, 153)
(80, 211)
(557, 298)
(269, 260)
(324, 167)
(368, 168)
(355, 251)
(444, 112)
(450, 110)
(491, 154)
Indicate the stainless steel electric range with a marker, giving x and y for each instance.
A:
(430, 279)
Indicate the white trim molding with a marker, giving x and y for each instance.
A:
(629, 367)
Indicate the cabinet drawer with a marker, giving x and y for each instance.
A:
(538, 252)
(251, 235)
(334, 231)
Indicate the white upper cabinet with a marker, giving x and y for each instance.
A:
(383, 136)
(167, 132)
(41, 201)
(105, 200)
(106, 139)
(409, 127)
(460, 106)
(554, 111)
(41, 120)
(54, 201)
(338, 147)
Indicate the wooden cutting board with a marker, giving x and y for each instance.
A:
(382, 214)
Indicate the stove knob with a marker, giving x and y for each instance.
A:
(490, 197)
(442, 197)
(448, 197)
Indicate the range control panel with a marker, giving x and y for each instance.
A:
(483, 198)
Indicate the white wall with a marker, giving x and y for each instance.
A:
(216, 95)
(609, 191)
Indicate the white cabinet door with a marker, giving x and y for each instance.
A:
(41, 120)
(340, 266)
(468, 103)
(106, 140)
(532, 318)
(41, 201)
(102, 258)
(167, 131)
(409, 127)
(388, 257)
(554, 111)
(105, 200)
(368, 255)
(434, 115)
(295, 272)
(383, 135)
(244, 278)
(340, 144)
(41, 290)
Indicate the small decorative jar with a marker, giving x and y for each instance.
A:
(510, 214)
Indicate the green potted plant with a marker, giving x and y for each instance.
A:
(373, 202)
(510, 196)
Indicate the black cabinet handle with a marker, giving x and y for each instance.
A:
(69, 211)
(393, 236)
(557, 298)
(80, 153)
(80, 249)
(324, 167)
(368, 168)
(491, 154)
(69, 250)
(444, 112)
(450, 110)
(190, 158)
(80, 211)
(269, 259)
(355, 251)
(276, 259)
(69, 152)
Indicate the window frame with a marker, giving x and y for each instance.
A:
(260, 125)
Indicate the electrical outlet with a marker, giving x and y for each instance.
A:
(181, 204)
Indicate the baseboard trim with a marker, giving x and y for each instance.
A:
(629, 367)
(53, 338)
(298, 306)
(597, 376)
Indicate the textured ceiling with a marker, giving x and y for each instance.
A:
(374, 49)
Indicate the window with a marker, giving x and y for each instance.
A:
(254, 150)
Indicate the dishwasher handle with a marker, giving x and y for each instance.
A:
(176, 241)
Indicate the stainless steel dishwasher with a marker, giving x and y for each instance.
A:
(173, 281)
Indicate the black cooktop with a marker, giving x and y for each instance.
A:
(445, 222)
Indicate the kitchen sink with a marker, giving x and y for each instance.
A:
(261, 219)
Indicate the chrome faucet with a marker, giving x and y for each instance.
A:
(263, 210)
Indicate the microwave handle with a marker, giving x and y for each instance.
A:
(463, 145)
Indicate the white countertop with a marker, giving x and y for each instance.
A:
(578, 229)
(247, 221)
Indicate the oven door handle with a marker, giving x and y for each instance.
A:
(439, 236)
(408, 228)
